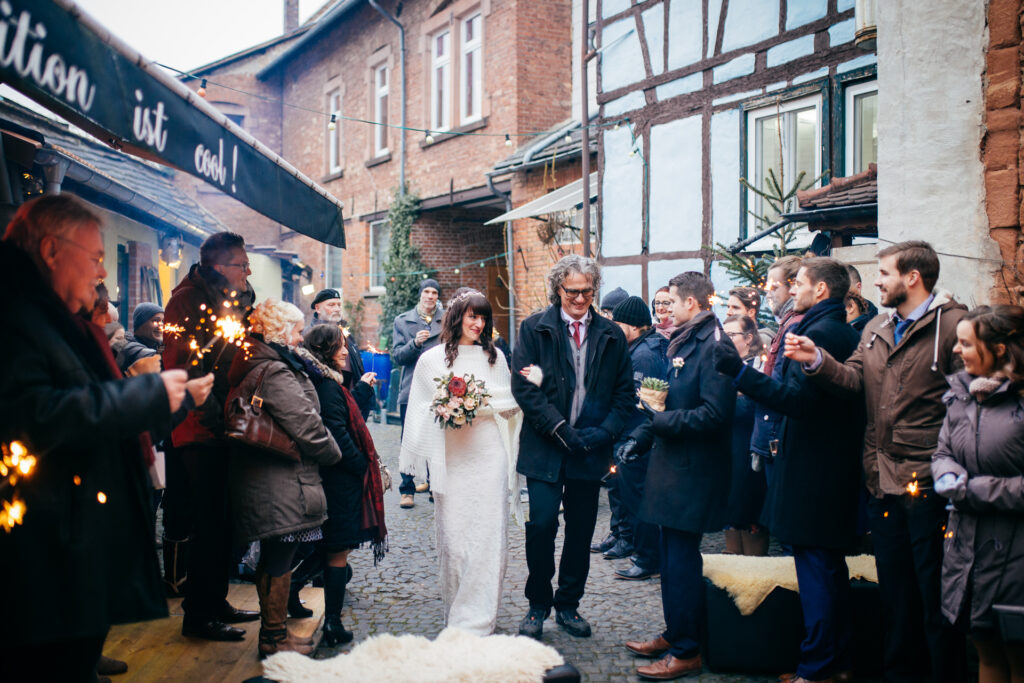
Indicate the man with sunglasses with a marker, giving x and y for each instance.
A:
(197, 522)
(574, 382)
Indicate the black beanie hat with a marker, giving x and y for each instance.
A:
(324, 295)
(614, 298)
(632, 311)
(430, 282)
(143, 313)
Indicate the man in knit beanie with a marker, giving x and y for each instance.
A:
(612, 299)
(148, 325)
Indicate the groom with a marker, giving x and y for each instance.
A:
(574, 412)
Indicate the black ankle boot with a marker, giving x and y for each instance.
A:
(295, 608)
(335, 580)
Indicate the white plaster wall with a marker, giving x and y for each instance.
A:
(622, 61)
(685, 32)
(627, 277)
(660, 272)
(676, 202)
(621, 195)
(725, 176)
(930, 62)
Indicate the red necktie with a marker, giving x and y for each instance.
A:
(576, 333)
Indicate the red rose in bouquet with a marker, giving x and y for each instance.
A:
(457, 386)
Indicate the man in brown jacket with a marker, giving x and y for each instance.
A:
(900, 368)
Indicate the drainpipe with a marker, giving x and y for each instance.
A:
(585, 121)
(509, 261)
(401, 42)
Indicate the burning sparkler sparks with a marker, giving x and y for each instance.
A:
(172, 330)
(16, 464)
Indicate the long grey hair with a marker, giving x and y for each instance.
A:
(573, 263)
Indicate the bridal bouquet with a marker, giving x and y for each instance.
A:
(457, 400)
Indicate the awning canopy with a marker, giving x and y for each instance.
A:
(62, 58)
(562, 199)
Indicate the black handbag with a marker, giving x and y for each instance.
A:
(245, 421)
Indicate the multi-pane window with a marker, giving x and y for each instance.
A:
(440, 90)
(861, 126)
(334, 132)
(332, 267)
(380, 238)
(380, 110)
(783, 142)
(471, 73)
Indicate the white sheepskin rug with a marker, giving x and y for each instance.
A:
(749, 580)
(455, 656)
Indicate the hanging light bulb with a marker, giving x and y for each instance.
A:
(568, 138)
(457, 271)
(508, 140)
(616, 125)
(424, 275)
(202, 89)
(333, 124)
(429, 139)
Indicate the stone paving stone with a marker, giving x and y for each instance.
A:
(401, 594)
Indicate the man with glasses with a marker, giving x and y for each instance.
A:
(196, 498)
(83, 556)
(574, 382)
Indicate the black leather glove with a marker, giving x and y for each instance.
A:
(727, 360)
(570, 439)
(594, 437)
(646, 410)
(627, 452)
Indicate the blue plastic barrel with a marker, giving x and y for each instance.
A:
(381, 364)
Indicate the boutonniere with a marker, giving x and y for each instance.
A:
(678, 363)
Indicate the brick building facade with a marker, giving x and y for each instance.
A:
(486, 68)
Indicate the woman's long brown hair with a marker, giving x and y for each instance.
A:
(467, 299)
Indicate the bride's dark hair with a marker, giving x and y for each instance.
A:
(466, 299)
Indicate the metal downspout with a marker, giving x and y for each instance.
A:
(509, 261)
(401, 41)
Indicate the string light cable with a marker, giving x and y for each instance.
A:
(427, 132)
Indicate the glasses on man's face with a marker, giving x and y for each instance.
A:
(577, 293)
(733, 335)
(244, 265)
(96, 260)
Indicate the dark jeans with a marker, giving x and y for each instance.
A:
(408, 486)
(920, 645)
(210, 557)
(579, 500)
(646, 537)
(824, 583)
(682, 591)
(177, 499)
(70, 661)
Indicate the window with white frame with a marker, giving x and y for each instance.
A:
(380, 110)
(861, 126)
(380, 238)
(332, 267)
(440, 88)
(783, 141)
(334, 132)
(471, 69)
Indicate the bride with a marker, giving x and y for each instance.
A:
(472, 469)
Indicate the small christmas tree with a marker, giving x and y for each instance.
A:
(404, 269)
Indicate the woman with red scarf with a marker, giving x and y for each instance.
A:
(355, 495)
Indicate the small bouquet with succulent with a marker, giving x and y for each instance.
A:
(653, 392)
(457, 400)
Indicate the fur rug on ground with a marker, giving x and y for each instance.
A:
(749, 580)
(455, 656)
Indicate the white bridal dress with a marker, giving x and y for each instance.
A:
(473, 478)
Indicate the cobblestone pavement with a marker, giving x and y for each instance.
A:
(401, 594)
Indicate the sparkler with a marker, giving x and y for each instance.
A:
(172, 330)
(611, 473)
(16, 464)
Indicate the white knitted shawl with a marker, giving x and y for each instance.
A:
(423, 440)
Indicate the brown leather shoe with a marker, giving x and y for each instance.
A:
(650, 648)
(669, 668)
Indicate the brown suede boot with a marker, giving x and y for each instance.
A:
(274, 637)
(755, 542)
(733, 542)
